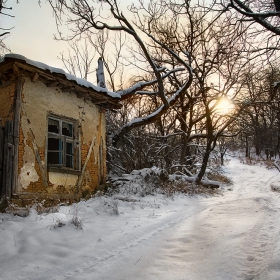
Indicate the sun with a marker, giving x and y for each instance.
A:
(224, 106)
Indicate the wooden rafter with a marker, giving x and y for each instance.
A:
(52, 83)
(35, 77)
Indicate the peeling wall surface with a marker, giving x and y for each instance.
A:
(59, 180)
(38, 101)
(28, 173)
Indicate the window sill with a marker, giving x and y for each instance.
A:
(63, 170)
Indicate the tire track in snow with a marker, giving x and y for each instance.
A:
(255, 254)
(87, 265)
(260, 243)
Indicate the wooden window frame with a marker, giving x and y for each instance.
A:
(64, 139)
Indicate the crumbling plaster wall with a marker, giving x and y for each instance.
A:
(37, 101)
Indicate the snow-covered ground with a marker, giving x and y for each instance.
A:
(234, 235)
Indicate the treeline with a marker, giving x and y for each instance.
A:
(194, 77)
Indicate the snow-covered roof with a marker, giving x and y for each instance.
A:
(69, 77)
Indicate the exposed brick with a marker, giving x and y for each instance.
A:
(6, 102)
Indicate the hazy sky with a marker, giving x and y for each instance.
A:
(33, 32)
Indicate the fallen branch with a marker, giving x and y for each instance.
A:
(276, 165)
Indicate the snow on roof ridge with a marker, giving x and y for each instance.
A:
(69, 77)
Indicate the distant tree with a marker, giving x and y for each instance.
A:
(260, 121)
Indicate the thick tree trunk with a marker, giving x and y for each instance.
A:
(278, 143)
(204, 162)
(257, 143)
(277, 5)
(258, 150)
(222, 158)
(247, 147)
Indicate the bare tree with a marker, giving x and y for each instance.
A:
(260, 121)
(79, 58)
(215, 49)
(83, 17)
(265, 12)
(178, 50)
(4, 31)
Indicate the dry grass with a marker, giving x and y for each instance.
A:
(24, 211)
(269, 164)
(219, 177)
(275, 188)
(3, 205)
(249, 161)
(188, 188)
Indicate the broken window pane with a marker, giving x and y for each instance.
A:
(55, 144)
(55, 158)
(69, 155)
(53, 126)
(69, 161)
(55, 151)
(67, 129)
(69, 148)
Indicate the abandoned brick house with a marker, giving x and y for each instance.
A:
(52, 132)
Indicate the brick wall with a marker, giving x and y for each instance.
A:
(6, 102)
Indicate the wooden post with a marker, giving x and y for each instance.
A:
(16, 131)
(1, 155)
(8, 160)
(81, 176)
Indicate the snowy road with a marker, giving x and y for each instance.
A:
(234, 236)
